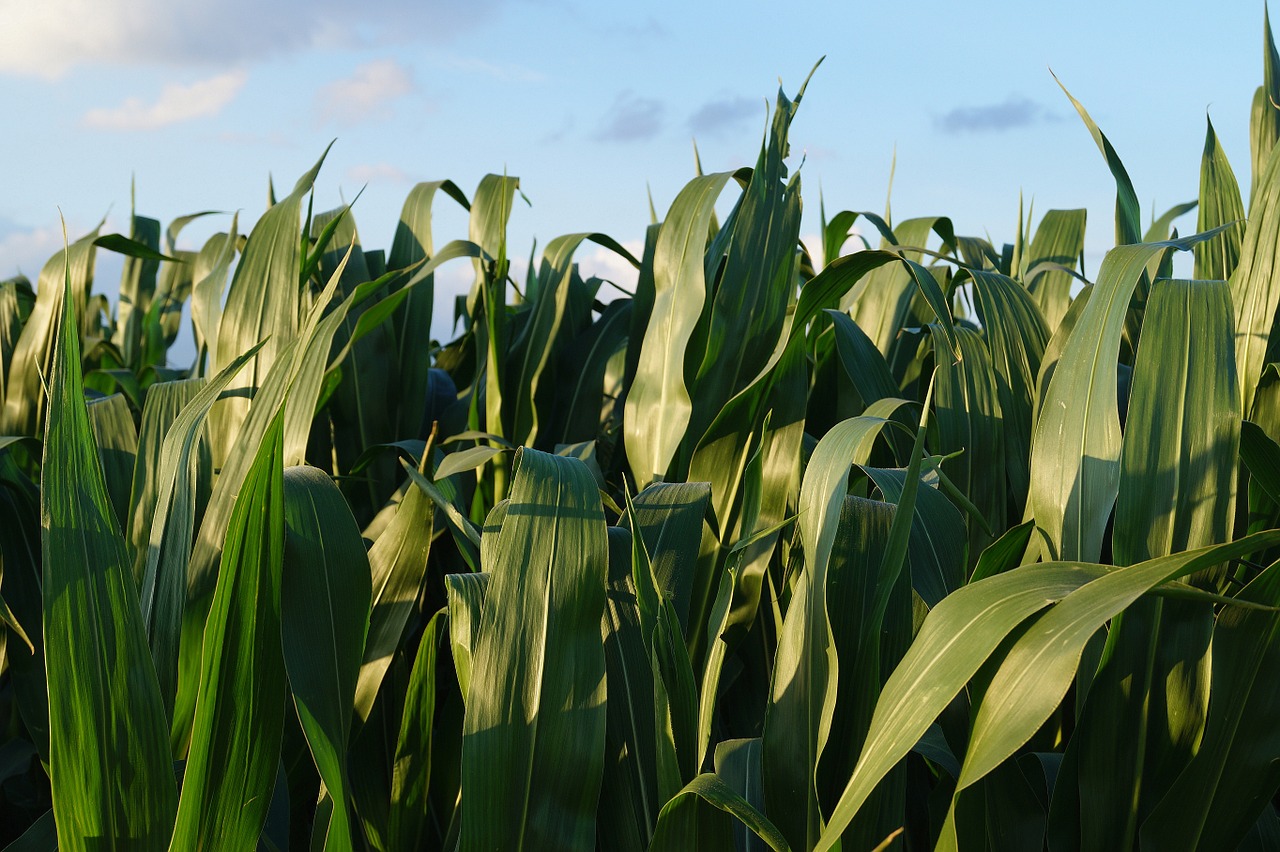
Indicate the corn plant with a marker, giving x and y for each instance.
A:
(931, 544)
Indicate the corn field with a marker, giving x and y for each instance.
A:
(914, 543)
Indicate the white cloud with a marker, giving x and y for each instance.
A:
(608, 264)
(49, 38)
(25, 251)
(176, 103)
(507, 72)
(813, 243)
(365, 94)
(376, 172)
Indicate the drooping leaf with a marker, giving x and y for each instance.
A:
(1216, 798)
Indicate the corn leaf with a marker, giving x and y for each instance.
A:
(235, 744)
(324, 617)
(536, 703)
(680, 293)
(108, 760)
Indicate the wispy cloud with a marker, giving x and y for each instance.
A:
(725, 114)
(377, 173)
(49, 38)
(649, 28)
(25, 250)
(609, 265)
(176, 103)
(631, 119)
(506, 72)
(366, 94)
(1012, 113)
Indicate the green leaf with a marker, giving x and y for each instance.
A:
(235, 743)
(117, 441)
(862, 362)
(1128, 210)
(467, 594)
(1262, 456)
(33, 354)
(1216, 798)
(533, 737)
(40, 836)
(669, 520)
(1255, 289)
(803, 691)
(170, 530)
(468, 459)
(628, 794)
(826, 289)
(936, 550)
(137, 282)
(1264, 123)
(678, 826)
(324, 617)
(1004, 553)
(120, 244)
(679, 302)
(1220, 204)
(1037, 671)
(262, 304)
(745, 319)
(398, 561)
(109, 760)
(1016, 336)
(962, 631)
(413, 243)
(970, 422)
(554, 279)
(1056, 248)
(1075, 461)
(165, 401)
(1178, 466)
(212, 265)
(11, 621)
(411, 774)
(1160, 227)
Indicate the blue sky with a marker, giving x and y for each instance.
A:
(594, 104)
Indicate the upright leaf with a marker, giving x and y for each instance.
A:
(324, 613)
(235, 743)
(108, 756)
(262, 305)
(536, 704)
(1075, 461)
(1255, 288)
(680, 293)
(1055, 250)
(1219, 205)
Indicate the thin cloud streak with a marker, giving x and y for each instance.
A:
(38, 41)
(366, 94)
(377, 173)
(725, 114)
(1012, 113)
(176, 103)
(631, 119)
